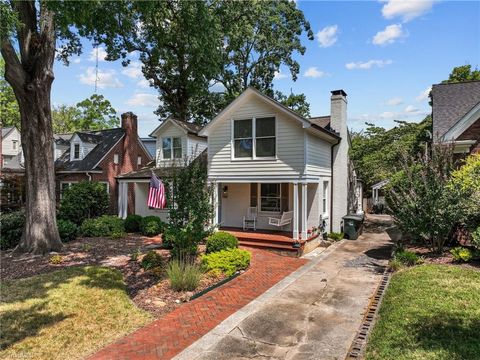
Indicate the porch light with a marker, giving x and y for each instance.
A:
(225, 191)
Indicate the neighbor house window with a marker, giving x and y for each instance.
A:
(325, 197)
(115, 158)
(254, 138)
(14, 144)
(139, 160)
(76, 151)
(172, 146)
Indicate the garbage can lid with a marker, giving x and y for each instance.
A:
(353, 217)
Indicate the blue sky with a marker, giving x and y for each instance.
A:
(384, 54)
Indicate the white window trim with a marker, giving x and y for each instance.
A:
(15, 144)
(139, 160)
(66, 182)
(172, 148)
(79, 151)
(259, 200)
(254, 139)
(116, 159)
(325, 196)
(108, 185)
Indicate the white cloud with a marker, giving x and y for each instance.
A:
(368, 64)
(406, 9)
(394, 101)
(76, 60)
(313, 72)
(327, 36)
(389, 35)
(133, 70)
(279, 75)
(216, 86)
(411, 109)
(106, 78)
(143, 99)
(424, 94)
(102, 54)
(143, 83)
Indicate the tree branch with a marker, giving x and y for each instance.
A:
(14, 72)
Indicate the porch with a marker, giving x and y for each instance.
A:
(279, 241)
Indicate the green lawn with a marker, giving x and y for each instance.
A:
(429, 312)
(66, 314)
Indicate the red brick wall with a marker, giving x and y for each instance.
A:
(128, 150)
(472, 133)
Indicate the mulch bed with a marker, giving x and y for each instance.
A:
(443, 259)
(146, 290)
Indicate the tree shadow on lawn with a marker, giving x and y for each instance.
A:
(456, 336)
(16, 325)
(38, 287)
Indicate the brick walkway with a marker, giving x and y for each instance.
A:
(167, 336)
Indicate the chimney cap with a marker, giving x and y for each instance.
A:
(128, 114)
(339, 92)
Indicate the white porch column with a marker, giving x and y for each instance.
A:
(122, 199)
(295, 211)
(216, 197)
(304, 211)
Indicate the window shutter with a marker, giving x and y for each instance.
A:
(253, 194)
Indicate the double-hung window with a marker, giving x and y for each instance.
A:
(172, 146)
(254, 138)
(76, 151)
(325, 198)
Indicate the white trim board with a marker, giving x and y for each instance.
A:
(463, 124)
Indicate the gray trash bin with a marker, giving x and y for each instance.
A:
(352, 226)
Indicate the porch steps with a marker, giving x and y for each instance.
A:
(268, 245)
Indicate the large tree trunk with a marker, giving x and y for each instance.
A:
(31, 80)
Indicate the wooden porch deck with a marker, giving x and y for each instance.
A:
(265, 239)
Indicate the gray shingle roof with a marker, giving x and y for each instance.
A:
(451, 102)
(6, 130)
(105, 140)
(62, 139)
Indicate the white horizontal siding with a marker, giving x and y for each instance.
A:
(7, 143)
(318, 156)
(141, 208)
(290, 146)
(196, 145)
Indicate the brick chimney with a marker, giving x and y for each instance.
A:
(338, 122)
(130, 152)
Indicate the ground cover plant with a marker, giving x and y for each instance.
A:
(428, 312)
(72, 312)
(228, 261)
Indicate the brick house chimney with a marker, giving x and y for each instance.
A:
(130, 148)
(340, 186)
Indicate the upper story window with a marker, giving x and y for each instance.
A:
(14, 144)
(115, 158)
(76, 151)
(139, 160)
(172, 146)
(254, 138)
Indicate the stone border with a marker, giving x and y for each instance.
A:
(226, 326)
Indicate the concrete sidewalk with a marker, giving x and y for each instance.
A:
(314, 313)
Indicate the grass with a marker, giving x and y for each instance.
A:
(65, 314)
(429, 312)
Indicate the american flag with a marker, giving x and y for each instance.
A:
(156, 194)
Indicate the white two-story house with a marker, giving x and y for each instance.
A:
(294, 173)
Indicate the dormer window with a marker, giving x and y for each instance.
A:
(254, 138)
(76, 151)
(172, 146)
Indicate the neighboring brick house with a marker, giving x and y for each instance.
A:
(456, 115)
(102, 156)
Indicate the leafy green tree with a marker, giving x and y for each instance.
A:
(377, 153)
(462, 74)
(8, 102)
(296, 102)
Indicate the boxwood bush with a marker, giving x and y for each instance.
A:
(151, 226)
(221, 240)
(68, 230)
(132, 223)
(11, 227)
(106, 225)
(228, 261)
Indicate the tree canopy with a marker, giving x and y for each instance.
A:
(8, 104)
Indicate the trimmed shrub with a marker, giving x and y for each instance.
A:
(407, 258)
(476, 238)
(228, 261)
(152, 260)
(461, 254)
(221, 240)
(68, 230)
(336, 236)
(85, 200)
(106, 225)
(11, 227)
(151, 226)
(183, 276)
(132, 223)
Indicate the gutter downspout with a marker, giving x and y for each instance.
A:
(89, 176)
(331, 184)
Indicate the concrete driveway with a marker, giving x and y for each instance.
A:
(312, 314)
